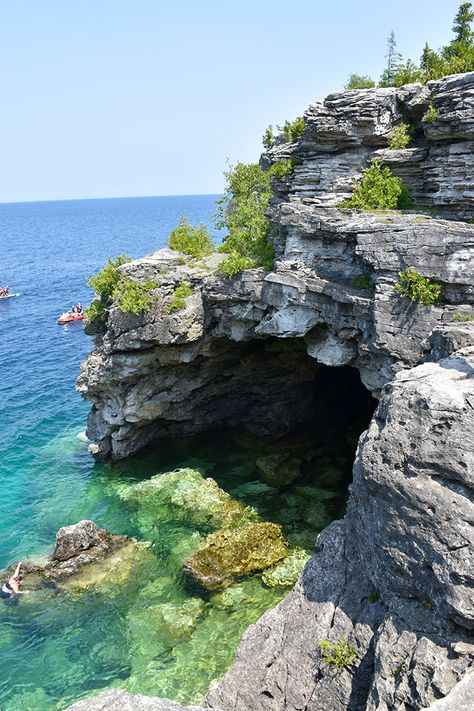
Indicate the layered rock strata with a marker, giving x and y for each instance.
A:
(395, 577)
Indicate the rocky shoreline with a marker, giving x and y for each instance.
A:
(395, 577)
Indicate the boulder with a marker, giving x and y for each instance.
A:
(231, 553)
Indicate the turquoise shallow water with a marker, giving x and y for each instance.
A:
(151, 631)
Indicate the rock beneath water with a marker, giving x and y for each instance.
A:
(286, 572)
(118, 700)
(278, 469)
(230, 553)
(154, 629)
(184, 495)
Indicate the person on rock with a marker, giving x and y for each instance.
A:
(11, 587)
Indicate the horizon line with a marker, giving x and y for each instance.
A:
(113, 197)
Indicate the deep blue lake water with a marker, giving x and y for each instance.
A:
(48, 251)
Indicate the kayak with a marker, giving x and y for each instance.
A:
(8, 296)
(67, 317)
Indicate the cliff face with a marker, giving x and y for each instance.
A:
(242, 348)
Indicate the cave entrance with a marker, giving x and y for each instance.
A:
(276, 430)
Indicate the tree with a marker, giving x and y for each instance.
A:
(462, 24)
(357, 81)
(394, 59)
(430, 63)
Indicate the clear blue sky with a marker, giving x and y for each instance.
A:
(104, 98)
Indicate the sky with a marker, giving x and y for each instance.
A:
(111, 98)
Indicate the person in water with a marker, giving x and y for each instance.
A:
(11, 587)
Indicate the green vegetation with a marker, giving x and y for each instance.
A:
(399, 137)
(463, 317)
(379, 189)
(282, 168)
(339, 654)
(373, 597)
(268, 137)
(242, 211)
(357, 81)
(431, 114)
(195, 241)
(180, 294)
(105, 282)
(293, 129)
(234, 263)
(132, 296)
(417, 288)
(95, 310)
(427, 604)
(362, 281)
(398, 670)
(453, 58)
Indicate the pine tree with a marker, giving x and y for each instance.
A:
(394, 59)
(462, 24)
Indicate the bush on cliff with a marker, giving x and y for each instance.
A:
(418, 288)
(105, 282)
(379, 189)
(293, 129)
(357, 81)
(180, 294)
(195, 241)
(399, 137)
(133, 296)
(242, 211)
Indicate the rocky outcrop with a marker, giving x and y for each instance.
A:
(393, 578)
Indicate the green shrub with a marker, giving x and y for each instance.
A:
(463, 317)
(431, 114)
(418, 288)
(105, 282)
(282, 168)
(357, 81)
(235, 263)
(339, 654)
(195, 241)
(362, 281)
(373, 597)
(268, 137)
(399, 137)
(427, 604)
(293, 129)
(242, 211)
(132, 296)
(95, 311)
(379, 189)
(180, 294)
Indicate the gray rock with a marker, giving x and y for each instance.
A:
(72, 540)
(118, 700)
(394, 578)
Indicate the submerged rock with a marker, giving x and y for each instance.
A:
(286, 572)
(184, 495)
(230, 553)
(278, 469)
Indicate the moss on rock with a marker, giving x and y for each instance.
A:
(286, 572)
(184, 495)
(230, 553)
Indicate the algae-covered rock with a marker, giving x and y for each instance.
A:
(113, 574)
(153, 629)
(230, 553)
(286, 572)
(184, 495)
(252, 488)
(278, 469)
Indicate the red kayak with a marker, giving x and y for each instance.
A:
(68, 317)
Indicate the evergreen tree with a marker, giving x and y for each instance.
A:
(430, 63)
(394, 59)
(462, 24)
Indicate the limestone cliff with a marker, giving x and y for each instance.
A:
(242, 347)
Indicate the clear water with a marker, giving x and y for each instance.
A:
(56, 648)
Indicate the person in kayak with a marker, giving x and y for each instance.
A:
(78, 308)
(4, 290)
(11, 587)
